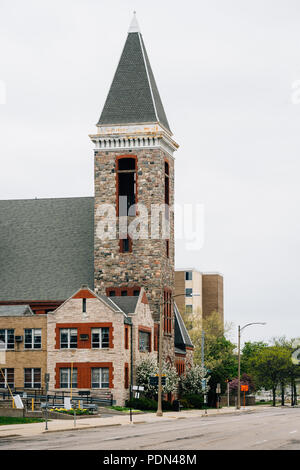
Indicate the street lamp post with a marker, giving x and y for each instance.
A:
(160, 349)
(239, 360)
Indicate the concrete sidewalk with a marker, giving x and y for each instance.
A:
(56, 425)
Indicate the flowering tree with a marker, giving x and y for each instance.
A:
(148, 367)
(191, 382)
(245, 380)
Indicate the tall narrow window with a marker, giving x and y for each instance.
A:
(126, 245)
(167, 312)
(126, 339)
(83, 305)
(126, 185)
(126, 376)
(167, 184)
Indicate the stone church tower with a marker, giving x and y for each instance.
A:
(134, 167)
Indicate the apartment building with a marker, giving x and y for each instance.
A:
(200, 293)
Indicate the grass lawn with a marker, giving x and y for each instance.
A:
(124, 409)
(4, 420)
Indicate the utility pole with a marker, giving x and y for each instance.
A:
(159, 394)
(239, 360)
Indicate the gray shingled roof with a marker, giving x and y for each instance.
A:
(133, 96)
(126, 303)
(15, 310)
(46, 248)
(182, 338)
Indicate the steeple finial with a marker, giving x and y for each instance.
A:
(134, 26)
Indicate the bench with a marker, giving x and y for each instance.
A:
(49, 405)
(89, 406)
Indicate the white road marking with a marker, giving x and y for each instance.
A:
(292, 432)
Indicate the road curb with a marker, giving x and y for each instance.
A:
(77, 428)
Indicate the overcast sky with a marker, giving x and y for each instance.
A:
(225, 70)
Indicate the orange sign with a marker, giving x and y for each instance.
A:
(244, 388)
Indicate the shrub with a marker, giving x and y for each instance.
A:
(147, 404)
(166, 405)
(142, 403)
(185, 403)
(193, 400)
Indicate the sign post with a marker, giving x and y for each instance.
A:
(244, 388)
(218, 391)
(47, 378)
(137, 389)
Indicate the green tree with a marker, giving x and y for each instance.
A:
(293, 372)
(249, 350)
(219, 357)
(270, 367)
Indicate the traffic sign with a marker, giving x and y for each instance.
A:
(154, 380)
(244, 388)
(139, 388)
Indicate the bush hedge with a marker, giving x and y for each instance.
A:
(147, 404)
(192, 400)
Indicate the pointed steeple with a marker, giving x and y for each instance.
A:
(133, 97)
(134, 26)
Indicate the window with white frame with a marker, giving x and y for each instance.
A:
(33, 338)
(32, 378)
(68, 375)
(100, 338)
(7, 338)
(7, 378)
(100, 377)
(68, 338)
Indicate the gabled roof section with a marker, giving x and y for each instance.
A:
(46, 248)
(133, 96)
(15, 310)
(126, 304)
(182, 338)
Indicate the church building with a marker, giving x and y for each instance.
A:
(118, 244)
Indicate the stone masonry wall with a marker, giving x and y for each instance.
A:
(148, 264)
(97, 311)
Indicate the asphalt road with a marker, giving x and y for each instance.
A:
(267, 429)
